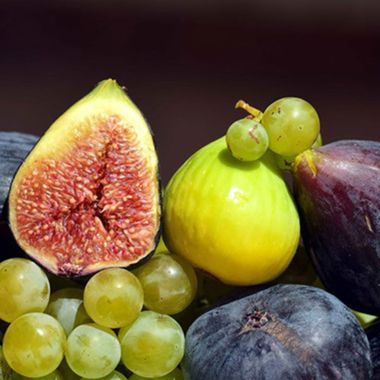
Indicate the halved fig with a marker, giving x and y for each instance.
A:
(88, 196)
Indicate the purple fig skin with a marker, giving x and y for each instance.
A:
(285, 332)
(337, 190)
(373, 334)
(14, 147)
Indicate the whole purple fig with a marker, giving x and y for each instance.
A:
(337, 188)
(373, 334)
(285, 332)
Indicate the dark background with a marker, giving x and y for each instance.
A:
(186, 63)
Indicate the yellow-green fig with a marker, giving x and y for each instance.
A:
(235, 220)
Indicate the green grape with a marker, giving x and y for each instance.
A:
(24, 288)
(114, 375)
(113, 298)
(56, 375)
(6, 372)
(247, 139)
(169, 283)
(292, 125)
(210, 292)
(153, 345)
(67, 372)
(286, 162)
(186, 317)
(174, 375)
(318, 141)
(92, 351)
(66, 305)
(161, 247)
(34, 344)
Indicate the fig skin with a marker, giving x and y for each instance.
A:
(234, 220)
(373, 334)
(14, 147)
(284, 332)
(88, 196)
(337, 192)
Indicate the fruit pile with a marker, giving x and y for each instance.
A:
(80, 324)
(255, 277)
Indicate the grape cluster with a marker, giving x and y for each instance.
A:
(117, 326)
(287, 127)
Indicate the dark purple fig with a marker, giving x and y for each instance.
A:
(283, 332)
(373, 334)
(337, 189)
(14, 147)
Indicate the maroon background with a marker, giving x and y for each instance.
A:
(186, 63)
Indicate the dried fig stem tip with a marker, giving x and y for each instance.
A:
(306, 158)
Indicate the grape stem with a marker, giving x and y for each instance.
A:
(257, 114)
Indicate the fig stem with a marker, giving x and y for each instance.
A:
(257, 114)
(307, 158)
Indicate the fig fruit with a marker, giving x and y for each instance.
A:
(87, 196)
(337, 191)
(365, 319)
(283, 332)
(14, 147)
(373, 334)
(235, 220)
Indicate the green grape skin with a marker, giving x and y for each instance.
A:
(56, 375)
(92, 351)
(161, 247)
(292, 125)
(66, 305)
(169, 283)
(153, 345)
(318, 141)
(191, 313)
(247, 139)
(210, 292)
(286, 162)
(24, 288)
(174, 375)
(34, 344)
(6, 372)
(113, 298)
(67, 372)
(114, 375)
